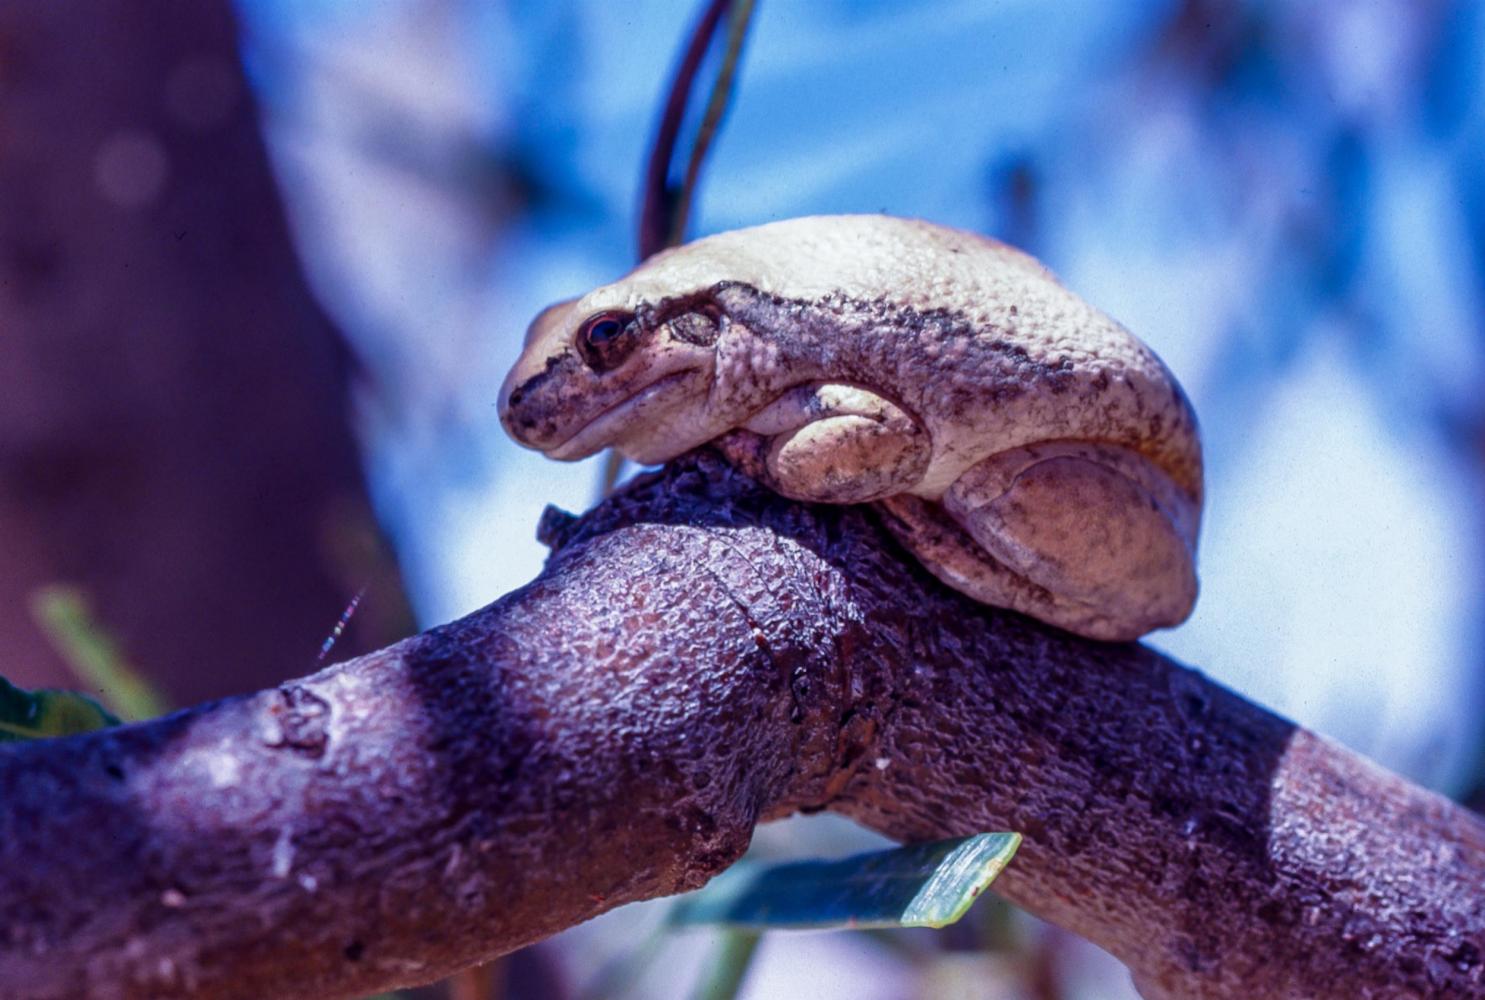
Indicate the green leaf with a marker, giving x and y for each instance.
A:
(33, 715)
(921, 885)
(724, 977)
(64, 615)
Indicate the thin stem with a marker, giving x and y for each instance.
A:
(667, 208)
(738, 20)
(728, 970)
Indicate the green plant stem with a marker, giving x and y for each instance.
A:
(725, 976)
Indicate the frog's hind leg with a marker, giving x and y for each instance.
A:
(947, 551)
(1092, 538)
(831, 443)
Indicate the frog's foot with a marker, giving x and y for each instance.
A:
(831, 443)
(1090, 538)
(947, 551)
(1101, 528)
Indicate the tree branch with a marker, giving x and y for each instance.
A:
(698, 655)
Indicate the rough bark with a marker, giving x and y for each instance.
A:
(173, 409)
(699, 655)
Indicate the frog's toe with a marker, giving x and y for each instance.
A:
(746, 451)
(846, 459)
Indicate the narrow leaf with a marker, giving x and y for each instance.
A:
(63, 614)
(921, 885)
(34, 715)
(724, 977)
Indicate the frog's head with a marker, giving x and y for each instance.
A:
(625, 367)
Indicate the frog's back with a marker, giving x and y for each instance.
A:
(997, 344)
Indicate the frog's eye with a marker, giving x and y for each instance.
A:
(605, 339)
(600, 330)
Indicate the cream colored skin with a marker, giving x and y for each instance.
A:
(1025, 447)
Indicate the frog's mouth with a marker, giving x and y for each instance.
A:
(640, 411)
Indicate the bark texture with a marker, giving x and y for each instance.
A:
(698, 655)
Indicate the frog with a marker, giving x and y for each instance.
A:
(1026, 448)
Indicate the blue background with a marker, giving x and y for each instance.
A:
(1284, 199)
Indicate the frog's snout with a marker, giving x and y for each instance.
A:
(528, 403)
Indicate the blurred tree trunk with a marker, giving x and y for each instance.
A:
(173, 404)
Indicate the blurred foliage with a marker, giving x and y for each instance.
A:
(64, 615)
(33, 715)
(725, 975)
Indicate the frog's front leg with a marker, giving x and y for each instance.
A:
(831, 443)
(1101, 529)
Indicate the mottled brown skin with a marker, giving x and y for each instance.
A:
(1028, 449)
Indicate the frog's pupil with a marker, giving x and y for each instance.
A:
(603, 331)
(606, 339)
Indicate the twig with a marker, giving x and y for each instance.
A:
(738, 20)
(665, 208)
